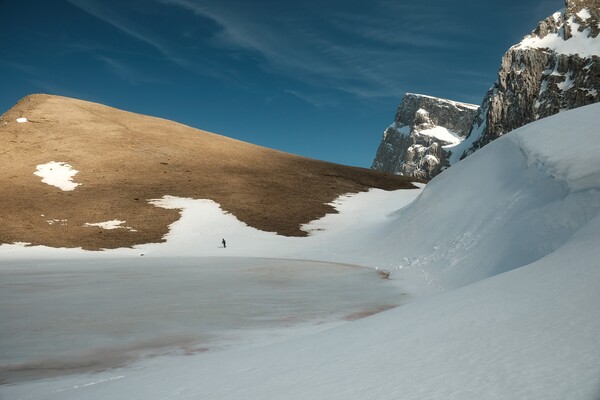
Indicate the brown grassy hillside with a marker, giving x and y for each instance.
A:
(124, 159)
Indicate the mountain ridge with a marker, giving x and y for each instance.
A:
(553, 69)
(125, 159)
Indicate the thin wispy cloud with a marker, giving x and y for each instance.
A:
(293, 47)
(123, 71)
(319, 101)
(122, 23)
(164, 46)
(369, 51)
(22, 67)
(94, 47)
(57, 89)
(393, 24)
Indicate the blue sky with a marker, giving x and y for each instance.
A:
(317, 78)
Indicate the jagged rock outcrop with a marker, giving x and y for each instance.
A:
(555, 68)
(413, 144)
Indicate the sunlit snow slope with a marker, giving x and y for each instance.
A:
(505, 206)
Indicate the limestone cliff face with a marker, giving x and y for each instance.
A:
(413, 144)
(555, 68)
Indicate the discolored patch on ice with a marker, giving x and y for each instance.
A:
(59, 174)
(21, 120)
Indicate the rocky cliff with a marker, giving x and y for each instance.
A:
(555, 68)
(413, 144)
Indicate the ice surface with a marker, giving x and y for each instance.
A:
(79, 316)
(59, 174)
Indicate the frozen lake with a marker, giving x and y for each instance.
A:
(78, 316)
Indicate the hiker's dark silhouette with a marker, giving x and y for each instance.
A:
(224, 243)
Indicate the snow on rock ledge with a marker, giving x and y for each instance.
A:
(574, 32)
(413, 144)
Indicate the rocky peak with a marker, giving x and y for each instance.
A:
(579, 18)
(418, 109)
(555, 68)
(577, 14)
(413, 144)
(581, 15)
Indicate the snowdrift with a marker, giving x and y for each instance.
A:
(512, 203)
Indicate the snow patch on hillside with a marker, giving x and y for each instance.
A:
(110, 225)
(59, 174)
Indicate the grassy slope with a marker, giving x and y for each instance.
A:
(124, 159)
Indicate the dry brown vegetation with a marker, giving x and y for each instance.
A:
(124, 159)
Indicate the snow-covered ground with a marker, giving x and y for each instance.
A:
(502, 248)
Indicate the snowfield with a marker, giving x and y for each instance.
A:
(500, 257)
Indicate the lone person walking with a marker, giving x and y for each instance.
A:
(224, 243)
